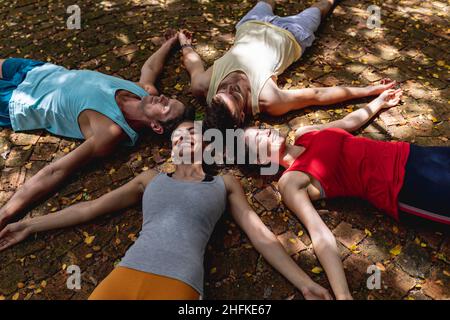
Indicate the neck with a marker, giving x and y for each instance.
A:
(130, 107)
(189, 171)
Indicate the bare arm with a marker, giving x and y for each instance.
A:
(355, 120)
(153, 66)
(267, 244)
(121, 198)
(194, 65)
(281, 101)
(293, 187)
(51, 176)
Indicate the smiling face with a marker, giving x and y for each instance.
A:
(234, 91)
(185, 143)
(267, 145)
(159, 110)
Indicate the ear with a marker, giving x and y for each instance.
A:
(242, 117)
(156, 127)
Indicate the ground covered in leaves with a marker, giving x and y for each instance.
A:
(116, 38)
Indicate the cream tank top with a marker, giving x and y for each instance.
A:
(261, 50)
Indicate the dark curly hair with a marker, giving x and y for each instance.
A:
(172, 124)
(219, 116)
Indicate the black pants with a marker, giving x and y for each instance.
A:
(426, 189)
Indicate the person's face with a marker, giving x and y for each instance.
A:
(186, 142)
(160, 109)
(234, 92)
(267, 144)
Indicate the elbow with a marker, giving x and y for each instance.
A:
(350, 127)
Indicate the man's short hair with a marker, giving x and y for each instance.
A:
(172, 124)
(219, 116)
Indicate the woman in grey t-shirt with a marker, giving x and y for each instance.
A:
(186, 204)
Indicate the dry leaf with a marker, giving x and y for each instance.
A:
(395, 251)
(316, 270)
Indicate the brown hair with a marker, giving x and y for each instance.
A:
(219, 116)
(172, 124)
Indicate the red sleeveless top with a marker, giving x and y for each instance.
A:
(349, 166)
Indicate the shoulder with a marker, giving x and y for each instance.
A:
(231, 183)
(295, 179)
(106, 136)
(270, 97)
(307, 129)
(145, 178)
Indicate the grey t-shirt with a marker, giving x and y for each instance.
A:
(178, 219)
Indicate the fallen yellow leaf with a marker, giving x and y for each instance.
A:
(395, 251)
(316, 270)
(89, 239)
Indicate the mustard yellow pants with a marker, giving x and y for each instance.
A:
(129, 284)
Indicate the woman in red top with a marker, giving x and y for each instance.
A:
(327, 161)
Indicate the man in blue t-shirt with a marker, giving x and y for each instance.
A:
(84, 104)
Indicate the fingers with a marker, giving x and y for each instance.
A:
(4, 232)
(328, 296)
(4, 243)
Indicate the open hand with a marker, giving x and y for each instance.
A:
(12, 234)
(314, 291)
(385, 84)
(185, 37)
(171, 37)
(390, 98)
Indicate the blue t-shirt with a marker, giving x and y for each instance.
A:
(52, 97)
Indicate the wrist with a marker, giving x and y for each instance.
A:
(29, 226)
(186, 46)
(377, 104)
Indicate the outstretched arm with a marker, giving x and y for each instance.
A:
(293, 187)
(194, 65)
(355, 120)
(267, 244)
(121, 198)
(153, 66)
(51, 176)
(280, 101)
